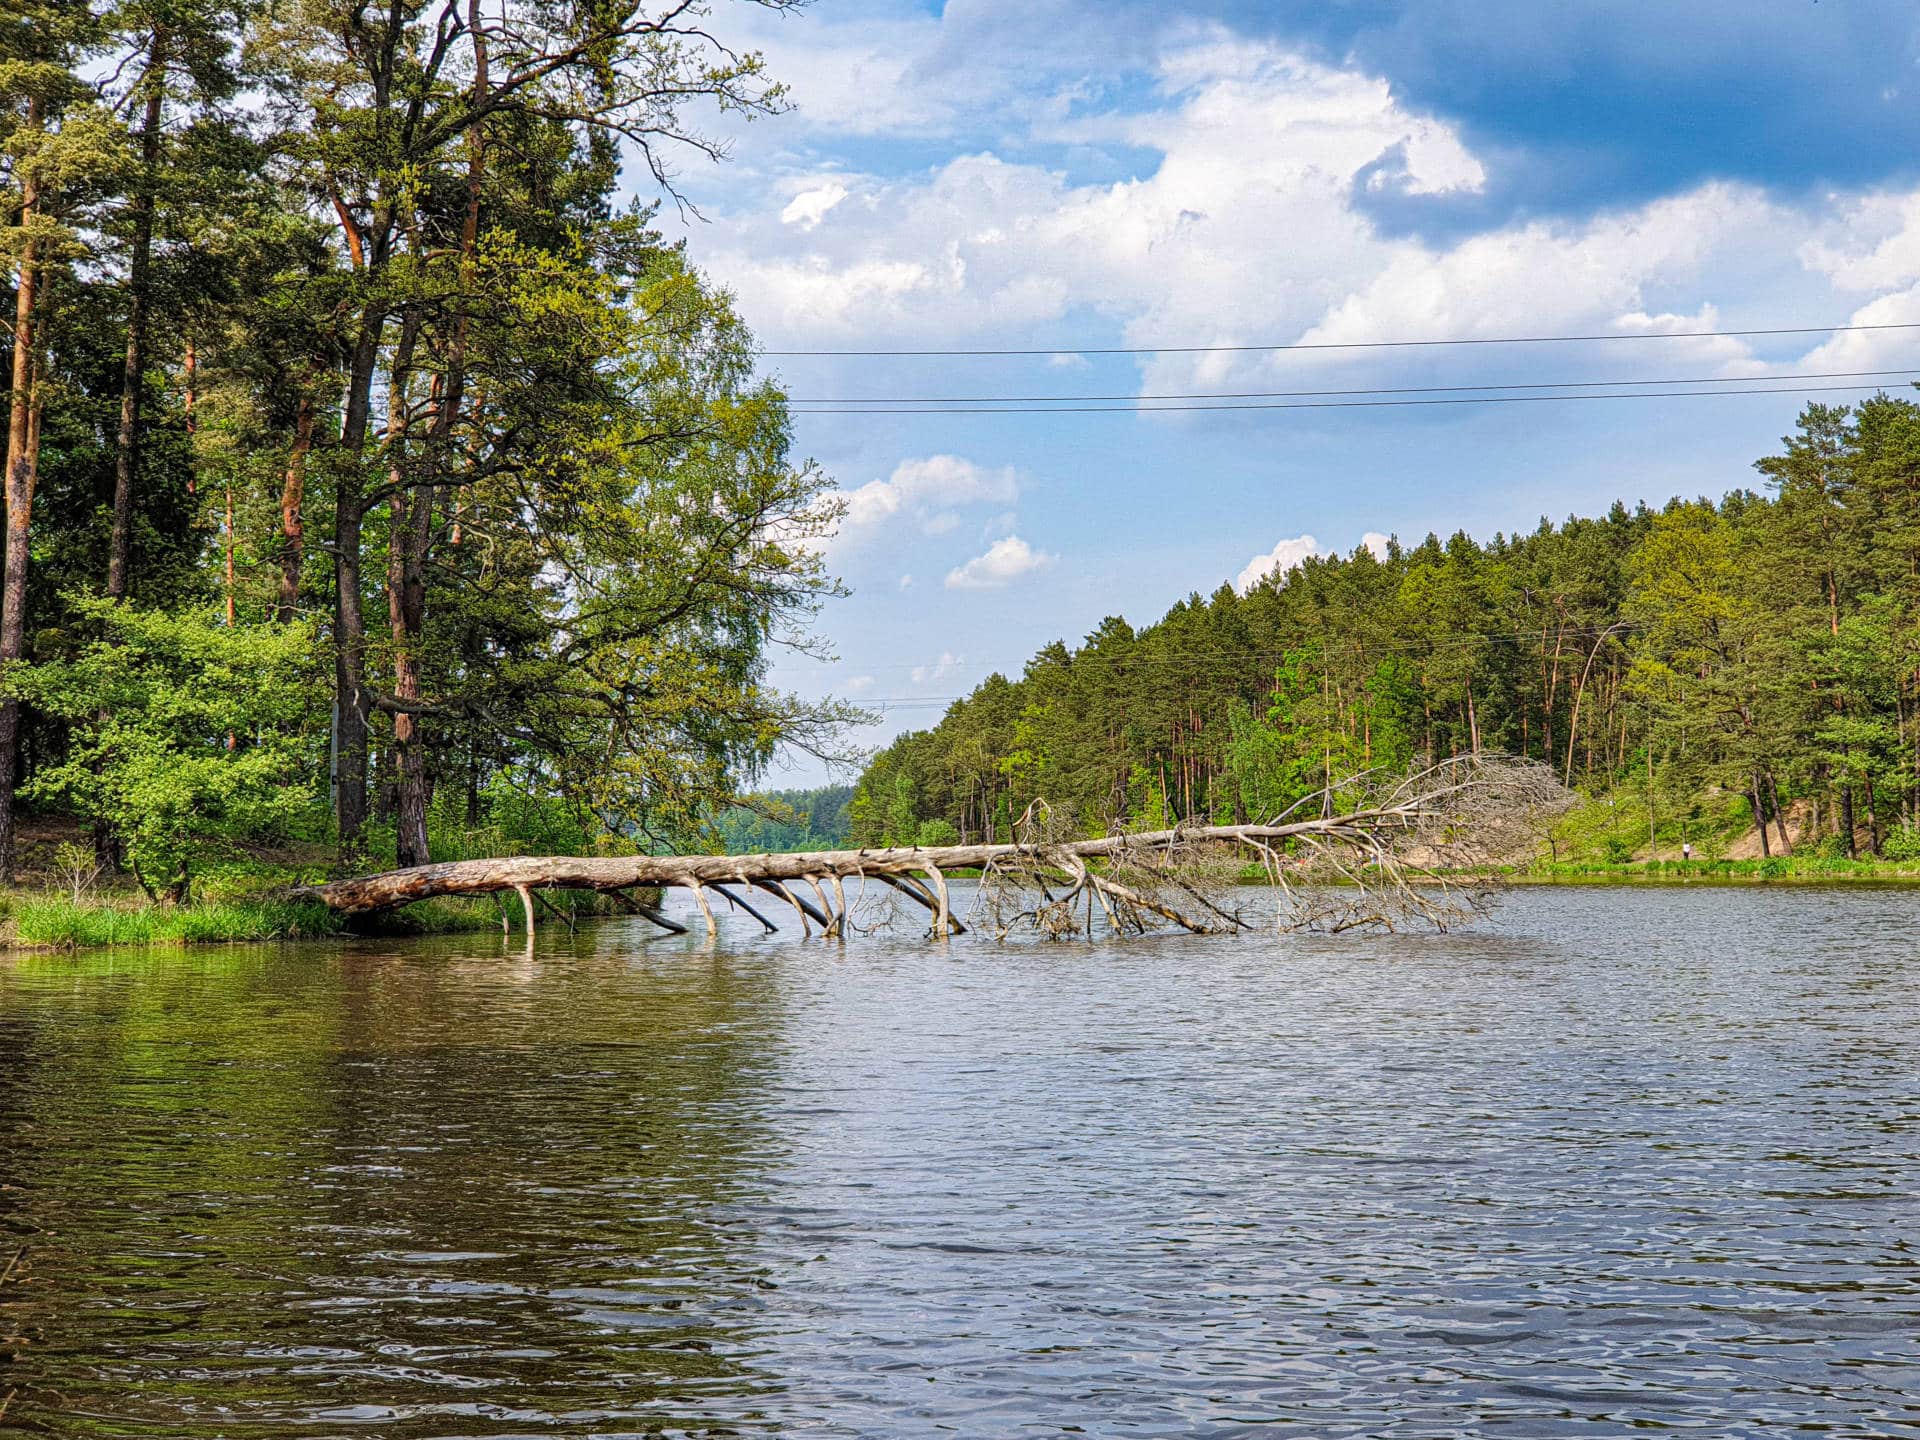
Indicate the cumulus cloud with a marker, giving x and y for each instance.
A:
(1004, 562)
(926, 492)
(1254, 142)
(810, 207)
(1283, 557)
(1237, 142)
(859, 683)
(1286, 554)
(906, 582)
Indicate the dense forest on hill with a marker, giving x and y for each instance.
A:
(1759, 656)
(379, 484)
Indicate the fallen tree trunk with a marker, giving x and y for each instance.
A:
(1392, 850)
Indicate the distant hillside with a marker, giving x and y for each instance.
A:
(788, 820)
(1762, 652)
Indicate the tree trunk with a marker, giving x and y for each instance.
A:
(133, 376)
(22, 471)
(1779, 814)
(413, 507)
(349, 620)
(1846, 811)
(1759, 812)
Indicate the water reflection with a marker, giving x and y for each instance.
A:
(1627, 1159)
(301, 1191)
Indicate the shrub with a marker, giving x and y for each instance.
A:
(182, 734)
(938, 832)
(1902, 844)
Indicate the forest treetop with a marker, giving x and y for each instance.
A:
(1766, 646)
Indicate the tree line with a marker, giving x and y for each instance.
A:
(1763, 650)
(371, 466)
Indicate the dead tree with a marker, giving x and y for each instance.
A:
(1374, 851)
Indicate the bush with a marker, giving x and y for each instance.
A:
(1902, 844)
(938, 832)
(182, 735)
(1618, 850)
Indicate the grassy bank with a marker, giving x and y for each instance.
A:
(1821, 869)
(65, 903)
(58, 922)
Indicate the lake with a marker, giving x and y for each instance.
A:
(1617, 1159)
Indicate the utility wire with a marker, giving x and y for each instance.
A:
(1330, 404)
(1081, 661)
(1363, 344)
(1081, 658)
(1364, 390)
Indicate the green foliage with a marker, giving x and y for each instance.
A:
(784, 820)
(405, 350)
(185, 735)
(937, 832)
(1903, 843)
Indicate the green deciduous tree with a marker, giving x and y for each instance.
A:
(190, 737)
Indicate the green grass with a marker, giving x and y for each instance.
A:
(59, 923)
(56, 922)
(1777, 867)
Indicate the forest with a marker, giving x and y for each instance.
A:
(1703, 670)
(380, 484)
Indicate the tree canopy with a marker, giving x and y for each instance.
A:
(332, 331)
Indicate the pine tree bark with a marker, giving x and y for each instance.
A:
(23, 461)
(350, 706)
(133, 376)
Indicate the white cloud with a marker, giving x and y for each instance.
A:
(810, 207)
(1377, 542)
(1248, 223)
(1004, 562)
(1255, 143)
(906, 582)
(940, 669)
(926, 490)
(1284, 556)
(859, 683)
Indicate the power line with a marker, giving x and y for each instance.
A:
(1082, 657)
(1358, 344)
(1364, 390)
(1079, 660)
(1333, 404)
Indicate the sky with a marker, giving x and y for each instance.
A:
(1100, 174)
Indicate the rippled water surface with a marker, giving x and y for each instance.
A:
(1620, 1159)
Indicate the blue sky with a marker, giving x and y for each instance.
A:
(1096, 173)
